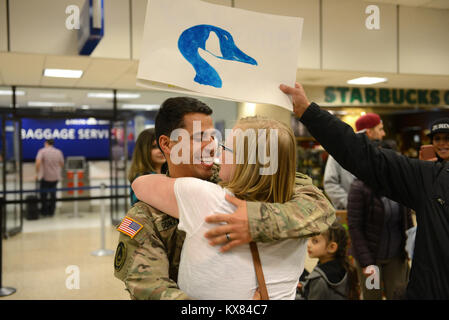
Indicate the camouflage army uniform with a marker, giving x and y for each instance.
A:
(148, 263)
(308, 213)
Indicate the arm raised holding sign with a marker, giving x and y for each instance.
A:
(420, 185)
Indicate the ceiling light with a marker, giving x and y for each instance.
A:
(110, 95)
(50, 104)
(367, 80)
(128, 95)
(85, 107)
(92, 121)
(250, 109)
(9, 93)
(63, 73)
(147, 107)
(100, 95)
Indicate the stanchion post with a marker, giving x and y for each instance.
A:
(75, 196)
(4, 291)
(102, 252)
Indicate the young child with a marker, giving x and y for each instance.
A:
(334, 278)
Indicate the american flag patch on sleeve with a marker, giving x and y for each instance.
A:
(129, 226)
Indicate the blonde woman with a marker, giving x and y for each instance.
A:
(204, 272)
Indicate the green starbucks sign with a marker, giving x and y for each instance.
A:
(385, 96)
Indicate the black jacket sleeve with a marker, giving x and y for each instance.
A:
(386, 172)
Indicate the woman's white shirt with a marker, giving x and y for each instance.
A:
(207, 274)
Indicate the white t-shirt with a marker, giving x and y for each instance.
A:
(207, 274)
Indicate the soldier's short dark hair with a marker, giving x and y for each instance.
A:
(172, 112)
(50, 142)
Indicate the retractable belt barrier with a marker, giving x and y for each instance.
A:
(99, 253)
(65, 189)
(34, 191)
(6, 291)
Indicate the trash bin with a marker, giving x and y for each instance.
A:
(75, 174)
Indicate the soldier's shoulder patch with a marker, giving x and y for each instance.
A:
(129, 226)
(120, 256)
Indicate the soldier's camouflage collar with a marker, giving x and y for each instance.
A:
(214, 178)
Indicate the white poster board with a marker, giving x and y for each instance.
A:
(197, 48)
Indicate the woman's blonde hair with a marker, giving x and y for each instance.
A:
(141, 162)
(247, 182)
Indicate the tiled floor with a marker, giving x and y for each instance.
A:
(35, 262)
(39, 262)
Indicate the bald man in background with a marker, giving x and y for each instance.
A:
(49, 162)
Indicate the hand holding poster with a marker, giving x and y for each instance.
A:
(197, 48)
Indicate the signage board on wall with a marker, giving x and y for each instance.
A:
(369, 96)
(74, 137)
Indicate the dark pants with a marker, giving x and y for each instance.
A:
(394, 275)
(48, 205)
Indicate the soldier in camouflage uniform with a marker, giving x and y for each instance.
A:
(147, 261)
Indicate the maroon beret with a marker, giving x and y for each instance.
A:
(368, 121)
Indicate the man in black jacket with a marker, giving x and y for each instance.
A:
(419, 185)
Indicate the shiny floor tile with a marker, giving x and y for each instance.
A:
(44, 261)
(45, 264)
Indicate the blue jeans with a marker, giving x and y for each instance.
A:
(48, 206)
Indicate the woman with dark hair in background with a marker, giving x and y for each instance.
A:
(147, 158)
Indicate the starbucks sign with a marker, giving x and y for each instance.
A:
(355, 96)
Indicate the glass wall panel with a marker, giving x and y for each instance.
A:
(11, 175)
(64, 101)
(78, 120)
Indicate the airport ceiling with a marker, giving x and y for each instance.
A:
(21, 69)
(437, 4)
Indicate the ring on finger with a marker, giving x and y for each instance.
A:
(228, 237)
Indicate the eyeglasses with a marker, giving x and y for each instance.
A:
(220, 144)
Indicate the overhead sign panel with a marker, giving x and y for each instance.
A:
(91, 26)
(75, 137)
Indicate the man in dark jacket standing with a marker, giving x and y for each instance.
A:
(377, 226)
(420, 185)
